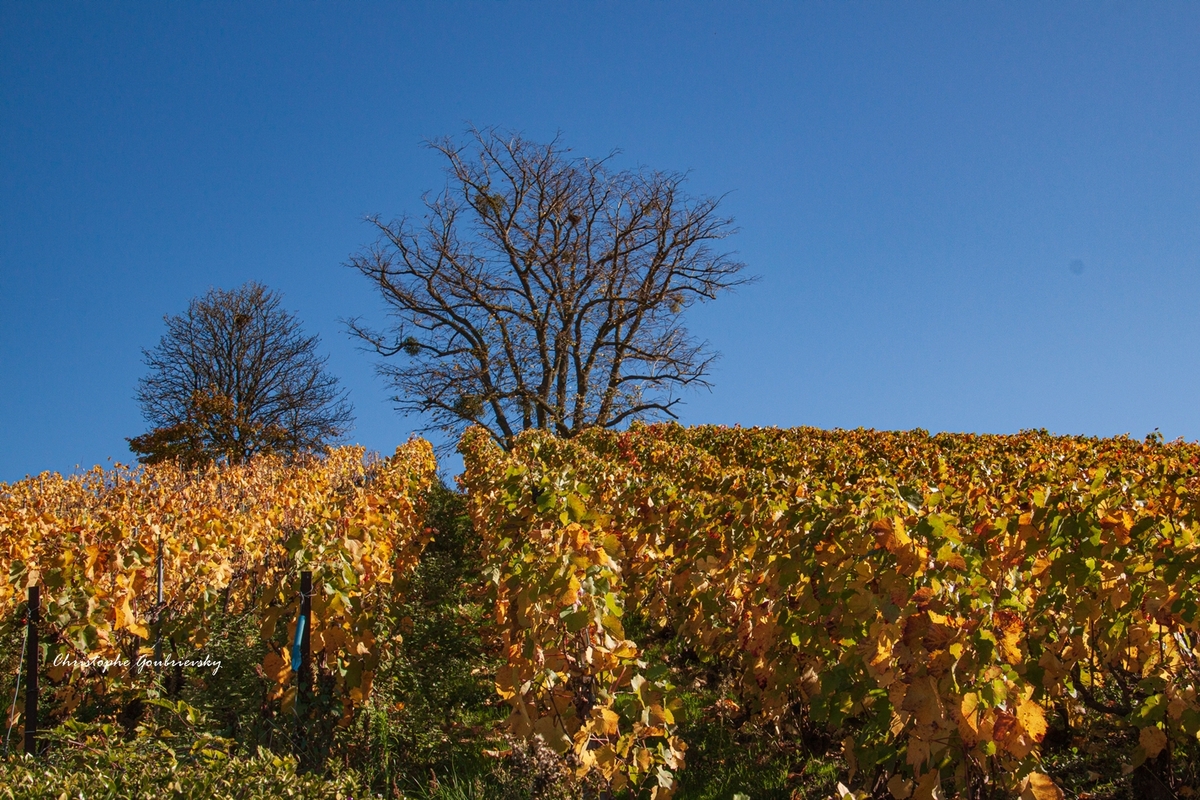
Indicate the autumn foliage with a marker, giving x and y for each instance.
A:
(941, 606)
(233, 541)
(936, 602)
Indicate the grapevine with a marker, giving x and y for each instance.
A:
(931, 600)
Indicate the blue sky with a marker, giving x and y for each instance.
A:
(912, 183)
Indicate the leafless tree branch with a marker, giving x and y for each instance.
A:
(544, 290)
(234, 376)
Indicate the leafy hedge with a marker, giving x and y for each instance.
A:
(91, 763)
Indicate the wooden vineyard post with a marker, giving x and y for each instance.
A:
(302, 663)
(31, 670)
(158, 608)
(306, 635)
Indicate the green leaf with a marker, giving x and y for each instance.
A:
(294, 542)
(576, 510)
(575, 620)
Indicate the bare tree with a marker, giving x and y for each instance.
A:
(544, 290)
(235, 376)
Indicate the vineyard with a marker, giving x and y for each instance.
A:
(933, 616)
(229, 544)
(935, 603)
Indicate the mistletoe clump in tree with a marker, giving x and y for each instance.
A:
(543, 290)
(235, 376)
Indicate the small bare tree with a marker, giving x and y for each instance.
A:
(544, 290)
(235, 376)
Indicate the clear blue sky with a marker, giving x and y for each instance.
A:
(912, 182)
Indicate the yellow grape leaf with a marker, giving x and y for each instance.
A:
(951, 559)
(93, 555)
(289, 700)
(1039, 786)
(659, 714)
(552, 734)
(275, 667)
(505, 685)
(1012, 632)
(613, 625)
(1032, 719)
(625, 649)
(890, 534)
(929, 787)
(968, 721)
(519, 721)
(121, 612)
(127, 620)
(922, 699)
(571, 594)
(1053, 666)
(270, 618)
(1152, 740)
(849, 755)
(918, 752)
(606, 722)
(900, 787)
(335, 639)
(368, 678)
(1017, 742)
(606, 759)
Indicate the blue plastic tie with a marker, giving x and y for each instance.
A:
(296, 643)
